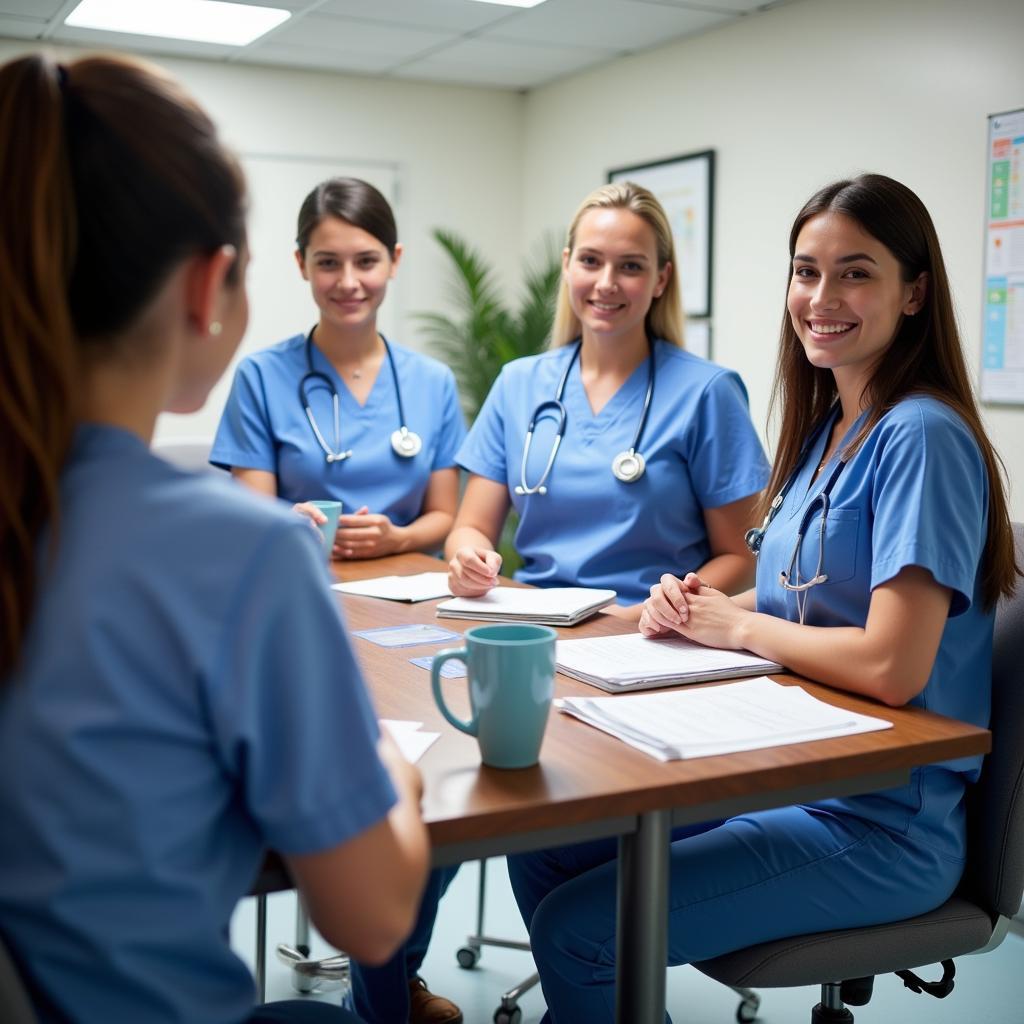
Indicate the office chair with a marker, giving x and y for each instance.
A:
(508, 1011)
(468, 956)
(974, 919)
(14, 1000)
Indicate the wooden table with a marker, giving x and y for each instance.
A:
(589, 785)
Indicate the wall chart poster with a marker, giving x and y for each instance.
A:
(1002, 342)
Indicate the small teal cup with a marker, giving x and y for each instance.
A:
(331, 509)
(511, 671)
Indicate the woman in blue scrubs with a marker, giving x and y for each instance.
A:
(879, 415)
(348, 251)
(177, 692)
(617, 346)
(398, 491)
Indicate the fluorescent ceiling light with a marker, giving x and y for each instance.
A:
(209, 21)
(513, 3)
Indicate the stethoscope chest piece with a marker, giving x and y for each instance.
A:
(406, 443)
(628, 466)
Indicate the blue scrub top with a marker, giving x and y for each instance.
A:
(187, 696)
(264, 426)
(591, 529)
(916, 493)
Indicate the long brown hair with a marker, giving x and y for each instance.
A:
(925, 356)
(110, 175)
(665, 317)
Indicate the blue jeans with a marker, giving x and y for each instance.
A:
(790, 871)
(381, 994)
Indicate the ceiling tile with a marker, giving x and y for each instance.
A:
(21, 28)
(94, 39)
(499, 62)
(726, 6)
(621, 25)
(348, 34)
(453, 15)
(309, 58)
(41, 10)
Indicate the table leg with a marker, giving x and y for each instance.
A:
(641, 948)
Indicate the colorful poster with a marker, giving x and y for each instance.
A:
(1002, 344)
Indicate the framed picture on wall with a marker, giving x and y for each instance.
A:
(685, 186)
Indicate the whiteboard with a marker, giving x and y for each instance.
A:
(280, 303)
(1002, 337)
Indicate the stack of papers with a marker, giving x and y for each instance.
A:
(718, 719)
(557, 606)
(424, 586)
(634, 662)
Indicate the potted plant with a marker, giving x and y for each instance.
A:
(485, 333)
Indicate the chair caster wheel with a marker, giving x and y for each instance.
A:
(508, 1016)
(746, 1012)
(468, 957)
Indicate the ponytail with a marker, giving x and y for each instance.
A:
(110, 176)
(38, 355)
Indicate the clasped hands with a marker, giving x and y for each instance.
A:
(694, 610)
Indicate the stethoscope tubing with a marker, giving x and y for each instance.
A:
(404, 442)
(632, 456)
(789, 579)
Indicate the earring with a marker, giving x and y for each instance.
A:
(215, 328)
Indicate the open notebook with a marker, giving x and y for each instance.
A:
(632, 662)
(556, 606)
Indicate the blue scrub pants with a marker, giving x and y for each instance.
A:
(299, 1011)
(381, 994)
(733, 884)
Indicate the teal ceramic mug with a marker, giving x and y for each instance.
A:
(331, 509)
(511, 669)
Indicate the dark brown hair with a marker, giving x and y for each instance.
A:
(352, 200)
(925, 356)
(110, 175)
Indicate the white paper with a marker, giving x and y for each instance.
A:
(531, 602)
(424, 586)
(407, 736)
(632, 657)
(747, 715)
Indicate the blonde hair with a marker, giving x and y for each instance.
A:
(665, 317)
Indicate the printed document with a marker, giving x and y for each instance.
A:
(424, 586)
(747, 715)
(634, 662)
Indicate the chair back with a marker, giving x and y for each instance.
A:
(15, 1006)
(191, 453)
(994, 876)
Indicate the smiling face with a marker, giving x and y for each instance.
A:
(847, 297)
(348, 270)
(612, 272)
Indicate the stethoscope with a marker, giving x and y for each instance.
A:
(627, 466)
(789, 579)
(404, 442)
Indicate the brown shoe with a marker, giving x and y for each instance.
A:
(426, 1008)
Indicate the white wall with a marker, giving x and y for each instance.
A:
(454, 151)
(790, 100)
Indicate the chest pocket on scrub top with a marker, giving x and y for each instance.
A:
(842, 536)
